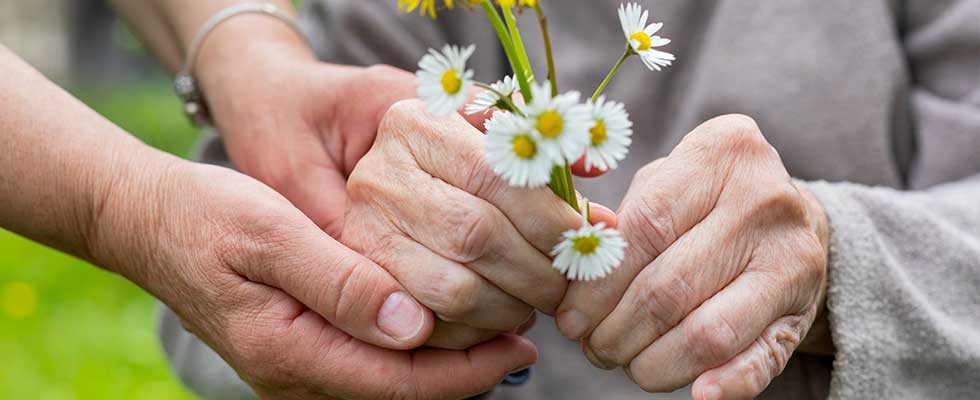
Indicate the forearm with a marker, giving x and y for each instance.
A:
(167, 27)
(61, 162)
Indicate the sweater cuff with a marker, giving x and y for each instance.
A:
(854, 290)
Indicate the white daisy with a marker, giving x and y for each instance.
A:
(610, 134)
(514, 151)
(561, 122)
(485, 100)
(444, 83)
(641, 36)
(589, 253)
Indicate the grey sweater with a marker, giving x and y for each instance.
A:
(875, 103)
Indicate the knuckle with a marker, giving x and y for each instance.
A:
(475, 226)
(742, 138)
(647, 171)
(666, 303)
(459, 295)
(649, 222)
(608, 351)
(480, 180)
(713, 342)
(647, 382)
(781, 202)
(730, 134)
(383, 71)
(363, 185)
(779, 342)
(399, 114)
(346, 301)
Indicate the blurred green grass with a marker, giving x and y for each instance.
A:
(69, 330)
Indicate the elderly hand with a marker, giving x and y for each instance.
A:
(426, 206)
(725, 274)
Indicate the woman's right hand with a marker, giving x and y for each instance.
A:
(296, 313)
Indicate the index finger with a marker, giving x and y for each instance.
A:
(453, 151)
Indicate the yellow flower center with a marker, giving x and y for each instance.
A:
(524, 147)
(550, 124)
(644, 40)
(451, 82)
(586, 245)
(598, 133)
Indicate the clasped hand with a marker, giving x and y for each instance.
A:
(724, 276)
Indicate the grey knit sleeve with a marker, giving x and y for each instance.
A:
(904, 290)
(904, 282)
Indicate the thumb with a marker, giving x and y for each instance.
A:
(600, 213)
(348, 290)
(751, 371)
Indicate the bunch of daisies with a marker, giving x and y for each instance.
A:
(535, 133)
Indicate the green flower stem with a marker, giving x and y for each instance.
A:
(563, 186)
(515, 35)
(552, 73)
(602, 86)
(508, 102)
(508, 44)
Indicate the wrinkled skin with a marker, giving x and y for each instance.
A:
(292, 310)
(725, 273)
(426, 206)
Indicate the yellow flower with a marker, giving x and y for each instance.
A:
(424, 6)
(512, 3)
(428, 7)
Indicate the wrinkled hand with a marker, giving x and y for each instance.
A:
(725, 273)
(425, 205)
(296, 313)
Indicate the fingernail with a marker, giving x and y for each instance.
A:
(401, 317)
(573, 324)
(711, 392)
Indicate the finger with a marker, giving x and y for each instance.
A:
(751, 371)
(713, 334)
(666, 199)
(451, 150)
(694, 268)
(324, 357)
(456, 336)
(600, 213)
(347, 289)
(469, 231)
(450, 289)
(579, 169)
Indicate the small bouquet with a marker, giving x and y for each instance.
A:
(532, 140)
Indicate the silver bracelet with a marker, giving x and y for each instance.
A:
(184, 84)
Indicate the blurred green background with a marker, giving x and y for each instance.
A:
(69, 330)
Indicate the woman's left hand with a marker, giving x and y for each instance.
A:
(725, 273)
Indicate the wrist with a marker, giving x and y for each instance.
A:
(127, 212)
(245, 50)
